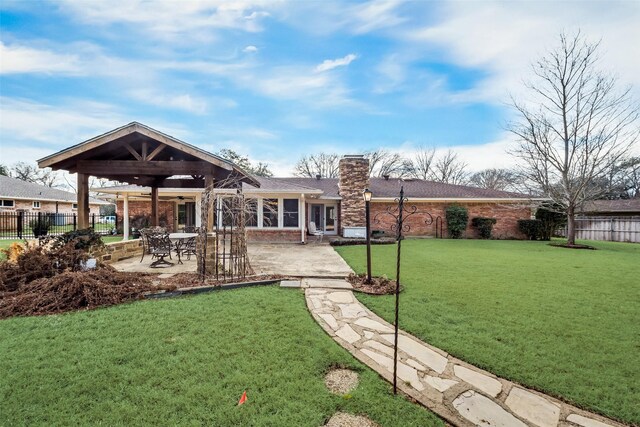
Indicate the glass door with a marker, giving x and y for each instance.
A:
(317, 216)
(330, 218)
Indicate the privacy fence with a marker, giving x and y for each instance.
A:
(614, 229)
(30, 225)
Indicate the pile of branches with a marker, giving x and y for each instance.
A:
(55, 279)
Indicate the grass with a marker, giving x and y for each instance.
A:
(186, 361)
(558, 320)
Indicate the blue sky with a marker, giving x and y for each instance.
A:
(277, 80)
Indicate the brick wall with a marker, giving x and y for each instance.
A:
(353, 179)
(143, 207)
(66, 208)
(264, 235)
(506, 227)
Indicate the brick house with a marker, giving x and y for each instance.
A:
(22, 196)
(334, 205)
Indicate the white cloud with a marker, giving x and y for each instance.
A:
(172, 21)
(23, 59)
(250, 49)
(503, 38)
(184, 101)
(25, 120)
(330, 64)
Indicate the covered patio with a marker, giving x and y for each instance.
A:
(139, 155)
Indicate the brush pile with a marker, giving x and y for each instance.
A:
(54, 279)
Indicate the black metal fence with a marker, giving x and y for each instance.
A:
(30, 225)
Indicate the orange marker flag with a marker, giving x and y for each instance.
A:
(243, 399)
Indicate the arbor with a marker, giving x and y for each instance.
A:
(323, 164)
(575, 127)
(260, 169)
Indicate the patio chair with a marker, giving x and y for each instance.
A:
(315, 232)
(144, 236)
(159, 248)
(188, 248)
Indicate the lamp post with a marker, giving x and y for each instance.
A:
(366, 194)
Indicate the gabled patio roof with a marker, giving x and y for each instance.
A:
(138, 154)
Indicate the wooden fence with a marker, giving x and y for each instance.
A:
(614, 229)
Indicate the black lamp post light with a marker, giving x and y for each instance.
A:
(400, 213)
(367, 194)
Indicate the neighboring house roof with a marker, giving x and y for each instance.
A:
(380, 187)
(12, 188)
(627, 206)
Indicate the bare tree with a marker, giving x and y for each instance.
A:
(259, 169)
(383, 163)
(31, 173)
(576, 127)
(449, 169)
(495, 179)
(323, 164)
(422, 163)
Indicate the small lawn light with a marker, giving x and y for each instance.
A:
(367, 194)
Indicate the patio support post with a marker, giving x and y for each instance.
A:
(303, 219)
(125, 218)
(83, 201)
(198, 218)
(154, 206)
(208, 181)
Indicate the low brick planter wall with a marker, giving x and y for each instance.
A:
(115, 251)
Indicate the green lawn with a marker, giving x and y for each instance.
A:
(186, 361)
(562, 321)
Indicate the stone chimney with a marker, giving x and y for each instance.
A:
(354, 178)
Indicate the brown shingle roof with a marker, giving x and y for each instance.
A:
(610, 206)
(381, 188)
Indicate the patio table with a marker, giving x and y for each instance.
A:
(178, 240)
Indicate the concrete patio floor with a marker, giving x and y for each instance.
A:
(296, 260)
(133, 265)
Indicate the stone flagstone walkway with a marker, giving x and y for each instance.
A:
(460, 393)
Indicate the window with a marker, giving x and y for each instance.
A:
(74, 206)
(270, 212)
(290, 214)
(7, 203)
(251, 206)
(226, 211)
(36, 204)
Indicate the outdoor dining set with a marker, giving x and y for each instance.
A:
(160, 244)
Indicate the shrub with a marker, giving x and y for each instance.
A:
(484, 226)
(457, 217)
(551, 218)
(40, 226)
(532, 228)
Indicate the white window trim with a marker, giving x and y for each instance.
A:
(282, 214)
(2, 205)
(33, 204)
(74, 206)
